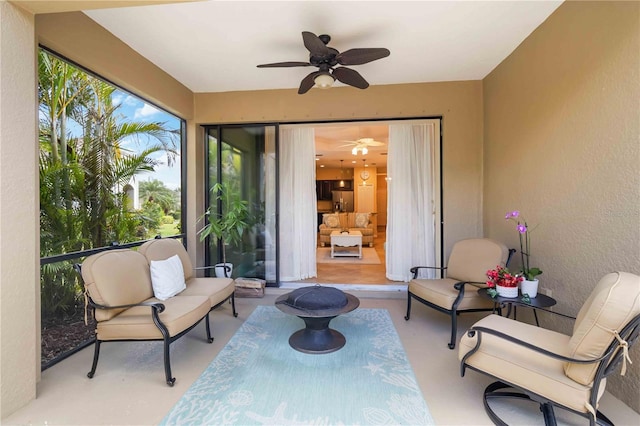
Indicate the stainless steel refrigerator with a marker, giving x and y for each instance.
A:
(342, 201)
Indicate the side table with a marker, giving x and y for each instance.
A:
(541, 301)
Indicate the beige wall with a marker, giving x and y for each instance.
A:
(460, 104)
(19, 242)
(562, 126)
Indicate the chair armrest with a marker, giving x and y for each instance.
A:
(156, 306)
(198, 268)
(480, 330)
(414, 270)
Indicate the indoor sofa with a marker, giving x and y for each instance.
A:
(351, 221)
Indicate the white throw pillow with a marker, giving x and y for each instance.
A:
(167, 277)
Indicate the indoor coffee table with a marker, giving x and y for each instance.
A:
(346, 239)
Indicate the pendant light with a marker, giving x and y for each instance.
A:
(341, 171)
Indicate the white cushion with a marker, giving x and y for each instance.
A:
(167, 277)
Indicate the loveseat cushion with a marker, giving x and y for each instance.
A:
(180, 313)
(116, 277)
(611, 305)
(523, 367)
(164, 248)
(216, 289)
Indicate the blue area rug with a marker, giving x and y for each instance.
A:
(258, 379)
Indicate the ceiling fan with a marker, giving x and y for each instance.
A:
(327, 60)
(362, 145)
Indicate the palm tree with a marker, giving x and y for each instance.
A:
(81, 202)
(155, 191)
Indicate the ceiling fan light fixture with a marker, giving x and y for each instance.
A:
(364, 150)
(324, 81)
(354, 151)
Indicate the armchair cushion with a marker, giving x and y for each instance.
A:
(613, 302)
(524, 367)
(167, 277)
(442, 292)
(470, 259)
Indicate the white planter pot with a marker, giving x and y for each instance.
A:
(219, 268)
(529, 287)
(507, 291)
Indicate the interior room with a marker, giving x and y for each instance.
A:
(534, 106)
(346, 154)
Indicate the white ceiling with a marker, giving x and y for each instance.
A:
(214, 46)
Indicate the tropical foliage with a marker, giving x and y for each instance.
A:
(84, 167)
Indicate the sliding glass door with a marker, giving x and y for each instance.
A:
(243, 160)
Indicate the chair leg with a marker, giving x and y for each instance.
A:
(454, 329)
(208, 328)
(96, 354)
(167, 362)
(406, 317)
(233, 304)
(549, 415)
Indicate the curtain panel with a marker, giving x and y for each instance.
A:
(411, 207)
(298, 220)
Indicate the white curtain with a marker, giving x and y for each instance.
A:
(270, 203)
(411, 207)
(298, 236)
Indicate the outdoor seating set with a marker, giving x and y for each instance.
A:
(529, 362)
(150, 294)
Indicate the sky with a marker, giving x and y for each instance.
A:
(137, 110)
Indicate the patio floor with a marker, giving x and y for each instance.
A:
(129, 386)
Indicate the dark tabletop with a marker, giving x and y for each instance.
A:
(540, 301)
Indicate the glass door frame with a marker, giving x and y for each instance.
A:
(219, 129)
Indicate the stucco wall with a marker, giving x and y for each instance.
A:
(459, 103)
(561, 131)
(19, 294)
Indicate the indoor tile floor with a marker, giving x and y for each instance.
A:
(129, 386)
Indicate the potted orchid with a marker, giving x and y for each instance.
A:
(530, 282)
(503, 283)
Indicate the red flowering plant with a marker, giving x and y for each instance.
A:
(502, 277)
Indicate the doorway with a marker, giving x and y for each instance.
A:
(356, 160)
(351, 168)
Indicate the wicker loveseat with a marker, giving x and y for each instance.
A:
(352, 221)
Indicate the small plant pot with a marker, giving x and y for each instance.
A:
(529, 287)
(219, 268)
(507, 291)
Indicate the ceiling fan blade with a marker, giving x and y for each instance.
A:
(285, 64)
(314, 45)
(350, 77)
(308, 82)
(361, 56)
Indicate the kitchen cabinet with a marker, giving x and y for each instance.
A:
(323, 190)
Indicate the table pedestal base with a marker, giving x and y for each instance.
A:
(317, 337)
